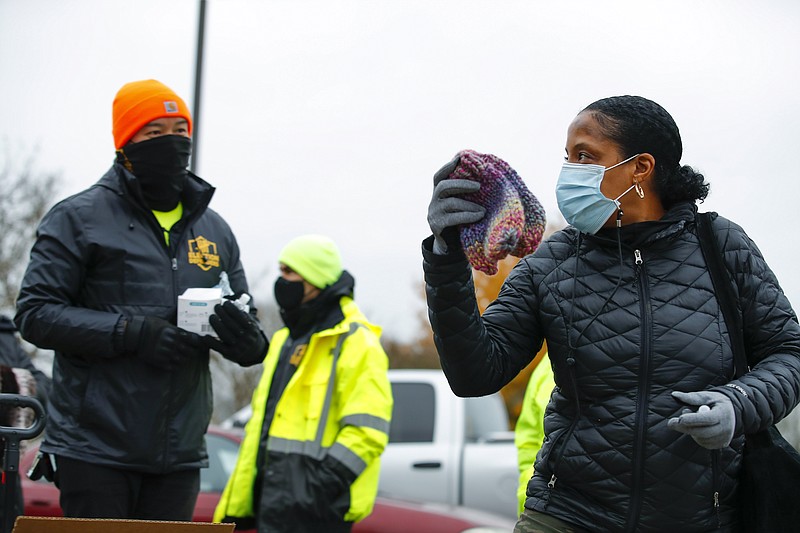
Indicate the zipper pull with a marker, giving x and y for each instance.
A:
(552, 482)
(174, 264)
(637, 256)
(716, 500)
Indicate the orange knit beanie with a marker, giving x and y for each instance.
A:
(140, 102)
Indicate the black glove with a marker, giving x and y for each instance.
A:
(240, 337)
(159, 343)
(446, 210)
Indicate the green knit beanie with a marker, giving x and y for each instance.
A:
(315, 257)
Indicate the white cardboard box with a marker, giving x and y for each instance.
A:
(194, 308)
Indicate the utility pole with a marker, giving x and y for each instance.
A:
(198, 83)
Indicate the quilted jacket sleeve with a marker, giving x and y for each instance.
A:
(479, 355)
(771, 389)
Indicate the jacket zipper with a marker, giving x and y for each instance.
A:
(171, 250)
(151, 220)
(172, 254)
(551, 484)
(640, 273)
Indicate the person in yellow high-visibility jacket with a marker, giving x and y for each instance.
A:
(310, 457)
(529, 431)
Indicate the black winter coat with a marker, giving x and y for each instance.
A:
(626, 323)
(100, 255)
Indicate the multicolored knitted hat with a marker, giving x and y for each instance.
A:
(514, 221)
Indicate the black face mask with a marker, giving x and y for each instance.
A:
(159, 164)
(289, 294)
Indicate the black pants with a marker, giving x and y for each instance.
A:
(92, 491)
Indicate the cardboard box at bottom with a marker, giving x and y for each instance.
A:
(41, 524)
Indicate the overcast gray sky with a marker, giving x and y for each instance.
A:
(332, 116)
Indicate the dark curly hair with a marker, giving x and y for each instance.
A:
(638, 126)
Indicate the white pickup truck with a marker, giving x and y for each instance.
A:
(442, 448)
(447, 449)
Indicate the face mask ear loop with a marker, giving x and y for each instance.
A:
(619, 205)
(636, 186)
(623, 162)
(626, 192)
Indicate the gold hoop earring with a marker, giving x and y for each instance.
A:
(638, 187)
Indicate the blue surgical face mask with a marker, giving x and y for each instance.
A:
(579, 197)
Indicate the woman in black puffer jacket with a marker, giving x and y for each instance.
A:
(625, 302)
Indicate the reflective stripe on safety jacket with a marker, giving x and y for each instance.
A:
(338, 403)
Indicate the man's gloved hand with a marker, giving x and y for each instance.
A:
(240, 337)
(712, 424)
(446, 210)
(159, 343)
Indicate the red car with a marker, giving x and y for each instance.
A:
(388, 516)
(41, 497)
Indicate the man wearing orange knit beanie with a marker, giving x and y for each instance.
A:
(131, 397)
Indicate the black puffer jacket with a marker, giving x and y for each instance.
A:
(99, 255)
(626, 323)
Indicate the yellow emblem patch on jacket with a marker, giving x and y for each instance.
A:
(297, 356)
(203, 253)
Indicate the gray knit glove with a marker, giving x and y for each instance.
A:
(446, 210)
(712, 425)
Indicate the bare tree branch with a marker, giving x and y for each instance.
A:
(26, 195)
